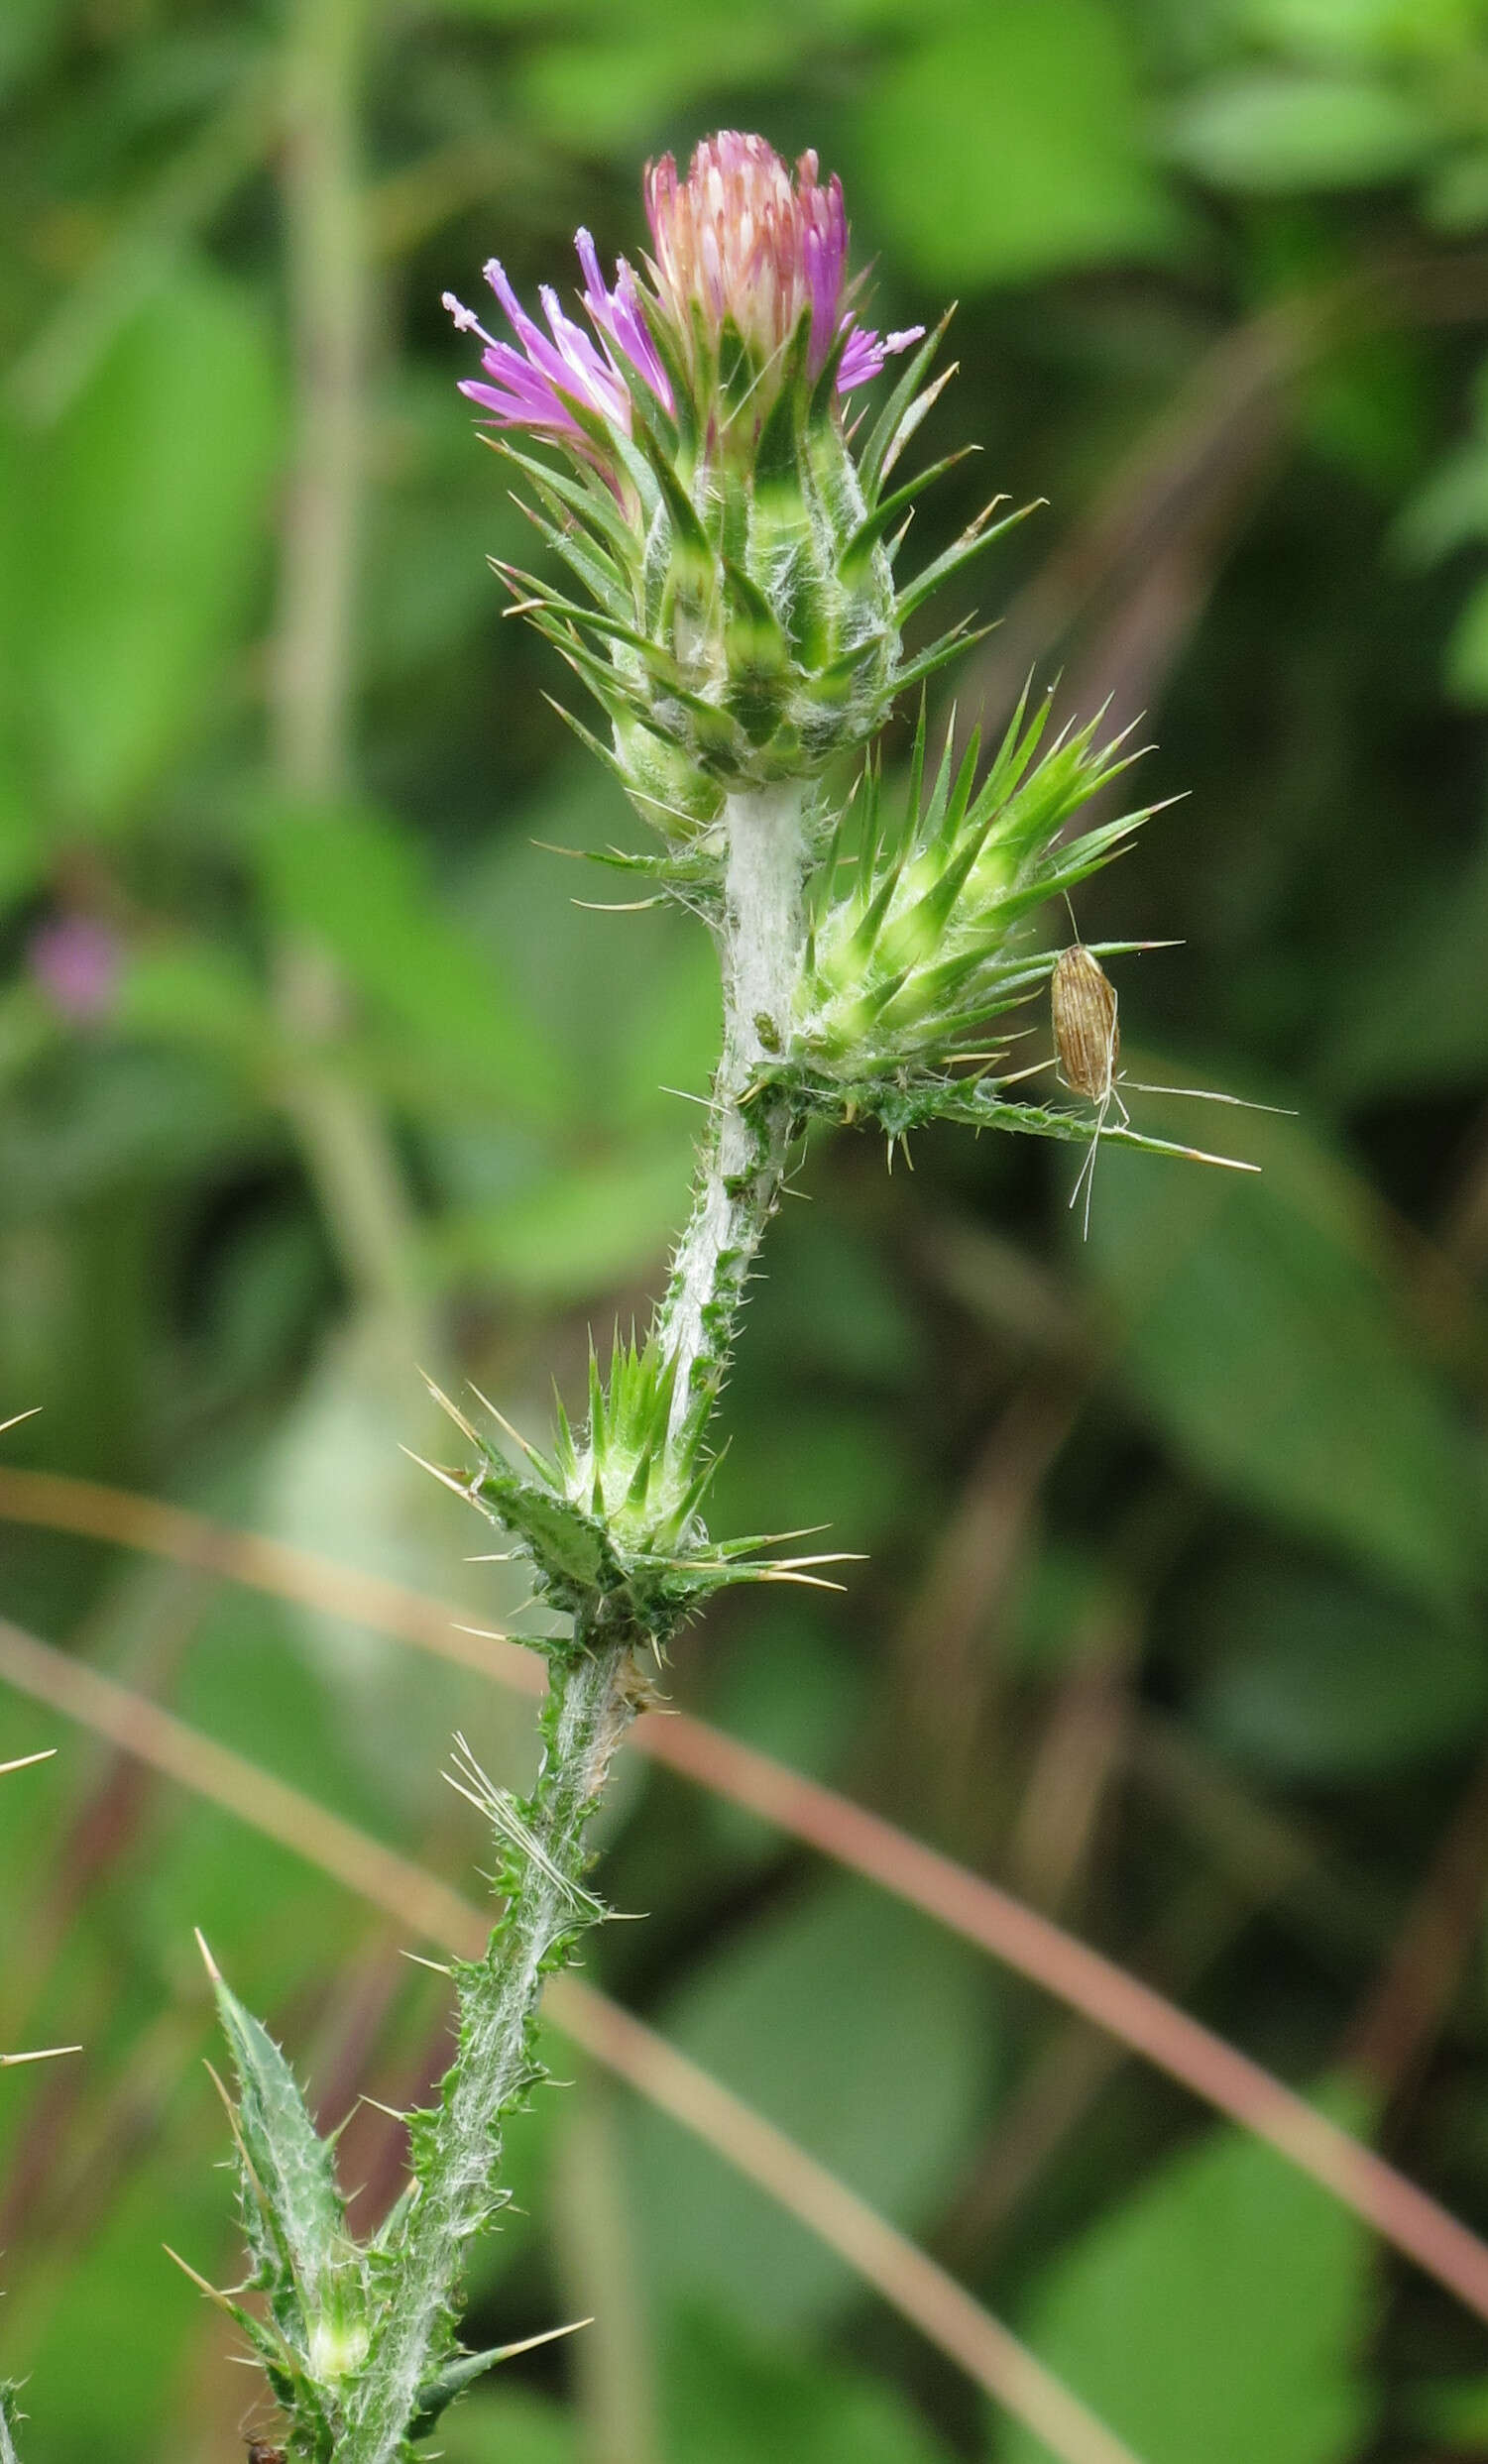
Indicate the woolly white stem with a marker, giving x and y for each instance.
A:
(763, 951)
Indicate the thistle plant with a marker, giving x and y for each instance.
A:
(705, 457)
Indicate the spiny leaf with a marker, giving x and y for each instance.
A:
(293, 2180)
(565, 1541)
(441, 2392)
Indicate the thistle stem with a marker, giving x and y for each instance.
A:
(592, 1700)
(595, 1686)
(763, 951)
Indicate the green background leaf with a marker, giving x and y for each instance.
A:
(1217, 2313)
(146, 535)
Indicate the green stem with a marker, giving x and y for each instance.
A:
(592, 1700)
(344, 1140)
(326, 265)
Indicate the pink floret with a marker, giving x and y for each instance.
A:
(537, 382)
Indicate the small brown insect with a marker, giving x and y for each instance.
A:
(258, 2453)
(1088, 1038)
(1085, 1028)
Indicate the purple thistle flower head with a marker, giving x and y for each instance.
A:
(738, 242)
(739, 622)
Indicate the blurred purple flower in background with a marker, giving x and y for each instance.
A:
(77, 960)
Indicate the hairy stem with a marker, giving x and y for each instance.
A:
(593, 1697)
(762, 949)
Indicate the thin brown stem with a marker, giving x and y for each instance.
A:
(612, 2360)
(1392, 2033)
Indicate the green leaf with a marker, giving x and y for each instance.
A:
(353, 879)
(147, 529)
(333, 1480)
(578, 1233)
(23, 839)
(293, 2169)
(1413, 1014)
(628, 1002)
(1261, 1332)
(730, 2399)
(612, 88)
(465, 2370)
(1364, 31)
(1312, 1678)
(1217, 2314)
(864, 2032)
(1468, 651)
(30, 32)
(1452, 2411)
(22, 844)
(1450, 509)
(795, 1689)
(197, 993)
(512, 2428)
(1456, 198)
(1010, 145)
(1270, 130)
(105, 2399)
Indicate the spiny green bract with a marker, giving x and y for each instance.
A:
(610, 1520)
(927, 944)
(745, 625)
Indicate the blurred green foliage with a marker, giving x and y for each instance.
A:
(311, 1068)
